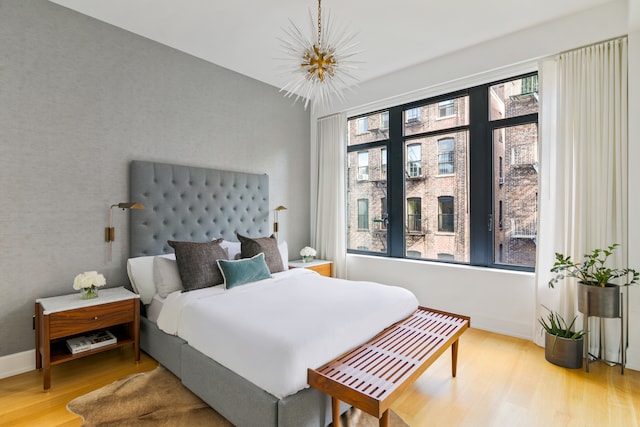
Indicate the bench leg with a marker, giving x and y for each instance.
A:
(454, 358)
(335, 411)
(384, 421)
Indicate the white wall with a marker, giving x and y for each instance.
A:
(496, 300)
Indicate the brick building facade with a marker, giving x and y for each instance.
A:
(437, 177)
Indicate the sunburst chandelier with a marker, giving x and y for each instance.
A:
(320, 64)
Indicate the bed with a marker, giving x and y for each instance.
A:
(188, 204)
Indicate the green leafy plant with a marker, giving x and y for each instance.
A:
(593, 269)
(554, 324)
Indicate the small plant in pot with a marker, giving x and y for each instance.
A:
(562, 346)
(597, 285)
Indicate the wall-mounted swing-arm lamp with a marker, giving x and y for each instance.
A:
(275, 218)
(109, 232)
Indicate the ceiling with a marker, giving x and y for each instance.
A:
(243, 35)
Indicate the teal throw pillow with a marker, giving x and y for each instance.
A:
(244, 270)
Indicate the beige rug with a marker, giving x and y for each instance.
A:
(158, 398)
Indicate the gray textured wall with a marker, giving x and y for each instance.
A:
(79, 99)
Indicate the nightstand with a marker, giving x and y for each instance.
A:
(59, 318)
(325, 268)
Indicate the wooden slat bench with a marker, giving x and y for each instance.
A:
(371, 376)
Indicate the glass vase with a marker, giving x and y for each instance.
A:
(88, 293)
(307, 258)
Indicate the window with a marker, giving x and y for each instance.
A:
(370, 128)
(414, 254)
(459, 190)
(413, 115)
(414, 160)
(418, 120)
(445, 156)
(363, 166)
(363, 214)
(529, 85)
(383, 163)
(363, 125)
(445, 214)
(414, 215)
(446, 108)
(384, 120)
(515, 209)
(446, 257)
(366, 202)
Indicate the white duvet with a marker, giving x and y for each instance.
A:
(271, 331)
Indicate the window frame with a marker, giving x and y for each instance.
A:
(480, 193)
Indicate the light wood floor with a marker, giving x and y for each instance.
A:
(501, 381)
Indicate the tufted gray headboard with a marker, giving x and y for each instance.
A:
(194, 204)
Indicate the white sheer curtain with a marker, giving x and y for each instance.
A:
(329, 237)
(584, 173)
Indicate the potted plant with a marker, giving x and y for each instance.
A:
(598, 294)
(562, 346)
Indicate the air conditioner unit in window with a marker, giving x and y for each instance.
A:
(363, 177)
(413, 120)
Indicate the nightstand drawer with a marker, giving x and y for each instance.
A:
(80, 320)
(321, 266)
(324, 269)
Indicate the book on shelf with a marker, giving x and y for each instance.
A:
(90, 342)
(78, 344)
(101, 339)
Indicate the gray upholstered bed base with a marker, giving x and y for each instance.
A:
(235, 398)
(196, 204)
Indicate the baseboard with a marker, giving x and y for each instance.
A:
(17, 363)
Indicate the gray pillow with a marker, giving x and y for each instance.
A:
(197, 263)
(268, 245)
(166, 276)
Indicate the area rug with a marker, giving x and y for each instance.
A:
(158, 398)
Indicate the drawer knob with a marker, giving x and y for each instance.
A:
(95, 318)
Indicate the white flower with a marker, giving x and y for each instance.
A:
(307, 251)
(89, 279)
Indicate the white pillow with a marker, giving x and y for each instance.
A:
(232, 248)
(284, 254)
(140, 271)
(166, 276)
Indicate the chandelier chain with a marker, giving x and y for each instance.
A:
(319, 23)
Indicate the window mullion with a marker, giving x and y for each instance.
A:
(480, 169)
(395, 184)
